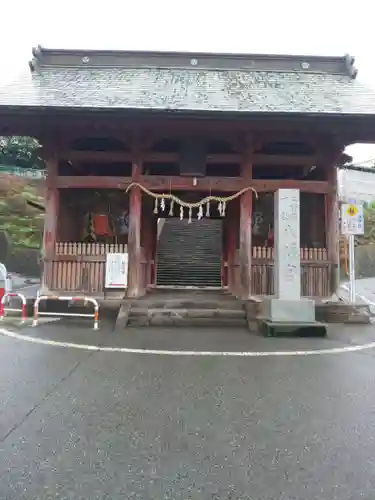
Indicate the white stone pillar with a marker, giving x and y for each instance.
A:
(287, 270)
(287, 306)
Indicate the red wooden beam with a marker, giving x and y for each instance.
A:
(230, 184)
(93, 182)
(166, 184)
(317, 187)
(125, 156)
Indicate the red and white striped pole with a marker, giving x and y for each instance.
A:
(95, 315)
(23, 306)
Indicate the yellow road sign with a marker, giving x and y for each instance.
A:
(352, 210)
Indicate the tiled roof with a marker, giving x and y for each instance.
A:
(189, 89)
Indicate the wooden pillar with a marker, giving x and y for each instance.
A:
(224, 252)
(134, 235)
(231, 237)
(147, 227)
(246, 209)
(332, 227)
(50, 218)
(154, 242)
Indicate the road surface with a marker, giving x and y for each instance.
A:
(78, 423)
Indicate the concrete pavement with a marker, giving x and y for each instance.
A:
(365, 292)
(79, 424)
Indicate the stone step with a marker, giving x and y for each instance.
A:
(229, 304)
(179, 256)
(185, 249)
(187, 269)
(186, 237)
(201, 242)
(196, 312)
(188, 258)
(192, 276)
(187, 322)
(187, 317)
(188, 274)
(190, 254)
(193, 283)
(189, 266)
(185, 246)
(206, 224)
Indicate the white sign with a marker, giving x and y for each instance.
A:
(116, 270)
(352, 220)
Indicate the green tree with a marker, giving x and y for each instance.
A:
(23, 223)
(369, 217)
(20, 151)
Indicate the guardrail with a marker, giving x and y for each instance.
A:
(94, 315)
(4, 309)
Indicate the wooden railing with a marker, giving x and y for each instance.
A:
(79, 267)
(315, 272)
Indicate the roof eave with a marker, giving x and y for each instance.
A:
(20, 109)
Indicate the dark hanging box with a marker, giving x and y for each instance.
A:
(193, 158)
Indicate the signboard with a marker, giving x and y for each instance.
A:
(352, 220)
(116, 270)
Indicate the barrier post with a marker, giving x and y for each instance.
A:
(94, 315)
(4, 309)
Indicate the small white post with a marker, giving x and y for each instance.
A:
(351, 268)
(352, 223)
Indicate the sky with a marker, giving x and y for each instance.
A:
(321, 27)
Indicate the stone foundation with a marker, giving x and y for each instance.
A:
(327, 312)
(339, 312)
(183, 308)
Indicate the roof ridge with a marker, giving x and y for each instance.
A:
(200, 60)
(183, 68)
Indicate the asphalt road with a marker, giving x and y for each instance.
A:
(77, 424)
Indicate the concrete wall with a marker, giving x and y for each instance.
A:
(24, 261)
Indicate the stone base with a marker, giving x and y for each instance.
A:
(293, 329)
(339, 312)
(289, 311)
(186, 317)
